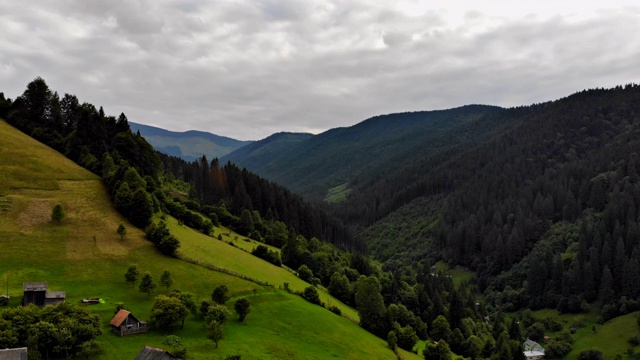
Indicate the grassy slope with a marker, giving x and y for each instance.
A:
(611, 337)
(200, 247)
(84, 257)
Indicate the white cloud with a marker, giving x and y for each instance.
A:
(246, 69)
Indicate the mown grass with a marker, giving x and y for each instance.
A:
(337, 194)
(84, 257)
(458, 273)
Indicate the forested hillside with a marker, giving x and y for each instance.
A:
(364, 151)
(545, 211)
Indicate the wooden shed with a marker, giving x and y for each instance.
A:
(152, 353)
(34, 293)
(124, 323)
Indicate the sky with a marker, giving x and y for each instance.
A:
(248, 69)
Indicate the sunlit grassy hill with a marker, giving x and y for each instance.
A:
(85, 257)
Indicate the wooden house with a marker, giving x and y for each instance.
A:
(152, 353)
(36, 293)
(13, 354)
(124, 323)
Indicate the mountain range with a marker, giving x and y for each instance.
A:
(188, 145)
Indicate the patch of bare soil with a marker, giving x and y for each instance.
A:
(38, 212)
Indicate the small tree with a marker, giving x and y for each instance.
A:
(392, 340)
(132, 274)
(215, 332)
(122, 231)
(220, 294)
(57, 213)
(146, 284)
(91, 349)
(217, 313)
(242, 307)
(166, 279)
(311, 295)
(176, 345)
(167, 311)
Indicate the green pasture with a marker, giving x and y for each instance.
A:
(85, 257)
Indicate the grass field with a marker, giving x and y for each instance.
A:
(611, 337)
(198, 246)
(84, 257)
(458, 274)
(337, 194)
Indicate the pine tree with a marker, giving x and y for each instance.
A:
(166, 279)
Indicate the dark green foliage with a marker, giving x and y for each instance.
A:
(440, 329)
(122, 231)
(245, 225)
(167, 311)
(162, 238)
(220, 294)
(370, 305)
(311, 295)
(590, 354)
(340, 287)
(61, 331)
(535, 332)
(142, 208)
(438, 351)
(305, 273)
(146, 284)
(57, 213)
(243, 307)
(132, 274)
(90, 349)
(392, 340)
(265, 253)
(406, 336)
(166, 279)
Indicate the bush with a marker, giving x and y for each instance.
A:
(311, 295)
(336, 310)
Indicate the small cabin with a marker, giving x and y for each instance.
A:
(152, 353)
(124, 323)
(36, 293)
(14, 354)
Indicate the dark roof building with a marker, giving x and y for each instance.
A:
(36, 293)
(13, 354)
(152, 353)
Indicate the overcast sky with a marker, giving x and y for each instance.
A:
(247, 69)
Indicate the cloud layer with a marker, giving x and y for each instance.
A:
(246, 69)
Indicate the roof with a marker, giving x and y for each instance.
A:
(55, 295)
(533, 353)
(120, 317)
(35, 286)
(13, 354)
(152, 353)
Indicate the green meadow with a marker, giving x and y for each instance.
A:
(85, 257)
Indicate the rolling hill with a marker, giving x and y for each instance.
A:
(188, 145)
(85, 257)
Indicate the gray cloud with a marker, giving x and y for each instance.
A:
(246, 69)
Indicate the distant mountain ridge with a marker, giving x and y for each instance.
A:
(188, 145)
(313, 165)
